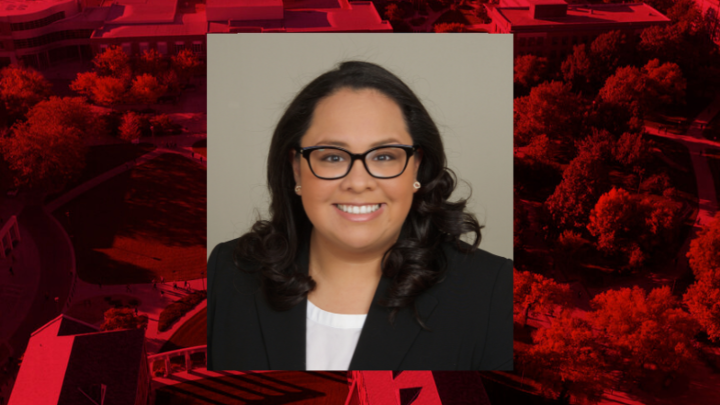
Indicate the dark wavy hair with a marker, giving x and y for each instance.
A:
(416, 261)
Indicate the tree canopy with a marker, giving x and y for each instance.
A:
(530, 70)
(21, 88)
(584, 180)
(568, 360)
(550, 109)
(646, 328)
(534, 292)
(44, 156)
(123, 318)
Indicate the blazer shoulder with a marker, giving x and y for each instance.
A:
(223, 272)
(476, 263)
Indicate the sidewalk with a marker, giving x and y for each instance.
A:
(697, 146)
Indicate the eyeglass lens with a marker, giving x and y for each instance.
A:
(383, 162)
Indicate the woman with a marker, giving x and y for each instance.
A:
(361, 264)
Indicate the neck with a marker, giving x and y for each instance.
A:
(332, 264)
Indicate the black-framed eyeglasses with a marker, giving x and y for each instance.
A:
(382, 162)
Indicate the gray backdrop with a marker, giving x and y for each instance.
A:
(464, 80)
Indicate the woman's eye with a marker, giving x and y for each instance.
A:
(384, 157)
(333, 158)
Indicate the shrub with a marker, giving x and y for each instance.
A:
(164, 125)
(177, 309)
(130, 126)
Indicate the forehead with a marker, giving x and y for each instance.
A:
(358, 120)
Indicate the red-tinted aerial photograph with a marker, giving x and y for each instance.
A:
(103, 202)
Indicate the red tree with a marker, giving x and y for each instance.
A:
(704, 252)
(529, 69)
(22, 88)
(185, 64)
(150, 62)
(450, 27)
(71, 112)
(703, 297)
(645, 328)
(550, 109)
(114, 62)
(146, 89)
(568, 360)
(44, 156)
(130, 126)
(123, 318)
(583, 182)
(631, 226)
(533, 292)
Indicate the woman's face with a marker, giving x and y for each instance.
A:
(357, 120)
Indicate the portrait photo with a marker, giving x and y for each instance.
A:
(360, 202)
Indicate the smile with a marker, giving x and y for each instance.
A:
(358, 209)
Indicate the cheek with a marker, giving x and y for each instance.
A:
(316, 195)
(401, 195)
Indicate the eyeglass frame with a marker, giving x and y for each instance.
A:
(305, 152)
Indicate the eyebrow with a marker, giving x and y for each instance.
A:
(344, 145)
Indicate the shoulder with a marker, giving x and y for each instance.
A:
(473, 279)
(223, 273)
(476, 264)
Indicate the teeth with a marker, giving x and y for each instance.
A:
(354, 209)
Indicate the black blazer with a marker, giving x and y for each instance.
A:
(470, 314)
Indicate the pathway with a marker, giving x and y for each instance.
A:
(707, 197)
(699, 374)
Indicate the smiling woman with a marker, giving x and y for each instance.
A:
(360, 265)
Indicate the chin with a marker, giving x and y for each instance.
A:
(361, 244)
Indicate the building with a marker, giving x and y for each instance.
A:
(42, 33)
(70, 362)
(294, 16)
(551, 28)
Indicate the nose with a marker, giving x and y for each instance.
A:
(358, 179)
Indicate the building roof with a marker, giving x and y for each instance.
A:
(182, 25)
(585, 15)
(22, 7)
(67, 357)
(141, 11)
(299, 16)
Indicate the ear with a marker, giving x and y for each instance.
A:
(295, 161)
(418, 158)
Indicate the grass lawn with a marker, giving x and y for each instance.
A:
(713, 159)
(191, 333)
(146, 223)
(103, 158)
(200, 147)
(278, 387)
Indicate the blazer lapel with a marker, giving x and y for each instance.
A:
(383, 346)
(284, 331)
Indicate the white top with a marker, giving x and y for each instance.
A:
(331, 338)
